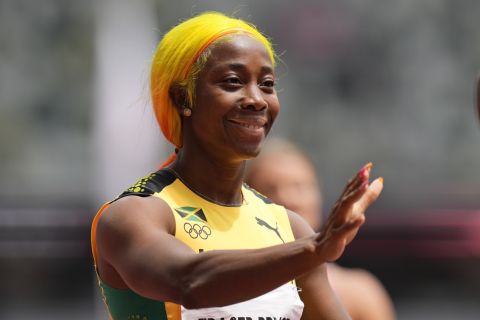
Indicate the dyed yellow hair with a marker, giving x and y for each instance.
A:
(181, 54)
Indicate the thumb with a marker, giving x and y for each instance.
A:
(372, 193)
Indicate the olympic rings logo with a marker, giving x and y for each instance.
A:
(195, 231)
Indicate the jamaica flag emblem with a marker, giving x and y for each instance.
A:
(192, 214)
(195, 222)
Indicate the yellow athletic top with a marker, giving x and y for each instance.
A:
(204, 225)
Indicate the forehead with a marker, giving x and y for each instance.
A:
(239, 49)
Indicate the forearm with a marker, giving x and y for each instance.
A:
(218, 278)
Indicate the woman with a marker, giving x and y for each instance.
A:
(191, 241)
(287, 176)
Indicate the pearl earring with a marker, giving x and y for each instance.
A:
(187, 112)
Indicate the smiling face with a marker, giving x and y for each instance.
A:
(235, 103)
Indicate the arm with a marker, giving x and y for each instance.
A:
(136, 248)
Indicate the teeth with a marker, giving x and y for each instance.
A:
(250, 126)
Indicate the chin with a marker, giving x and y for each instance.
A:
(249, 150)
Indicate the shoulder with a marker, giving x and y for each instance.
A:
(150, 184)
(136, 206)
(129, 213)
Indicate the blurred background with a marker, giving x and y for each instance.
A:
(390, 82)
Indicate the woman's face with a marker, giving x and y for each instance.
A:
(236, 102)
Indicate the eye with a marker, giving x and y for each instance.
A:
(231, 83)
(232, 80)
(268, 85)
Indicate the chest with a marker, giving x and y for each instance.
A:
(206, 228)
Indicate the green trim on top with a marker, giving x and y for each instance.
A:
(125, 304)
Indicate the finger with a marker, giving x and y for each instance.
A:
(370, 195)
(355, 195)
(344, 228)
(359, 182)
(353, 228)
(362, 175)
(345, 206)
(365, 171)
(354, 187)
(349, 226)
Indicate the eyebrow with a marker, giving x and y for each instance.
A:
(241, 66)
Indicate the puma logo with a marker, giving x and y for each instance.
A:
(266, 225)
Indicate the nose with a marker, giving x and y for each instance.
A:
(253, 98)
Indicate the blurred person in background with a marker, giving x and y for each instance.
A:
(284, 174)
(191, 241)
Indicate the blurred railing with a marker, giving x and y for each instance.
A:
(46, 270)
(44, 232)
(435, 233)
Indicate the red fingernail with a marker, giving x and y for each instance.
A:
(365, 171)
(366, 168)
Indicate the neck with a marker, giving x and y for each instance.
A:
(211, 177)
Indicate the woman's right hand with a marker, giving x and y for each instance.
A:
(348, 214)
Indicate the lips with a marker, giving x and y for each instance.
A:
(250, 123)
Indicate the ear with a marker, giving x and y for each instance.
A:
(178, 94)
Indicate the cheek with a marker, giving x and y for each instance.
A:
(274, 107)
(207, 125)
(209, 111)
(218, 105)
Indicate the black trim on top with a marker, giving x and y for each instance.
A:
(258, 194)
(150, 184)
